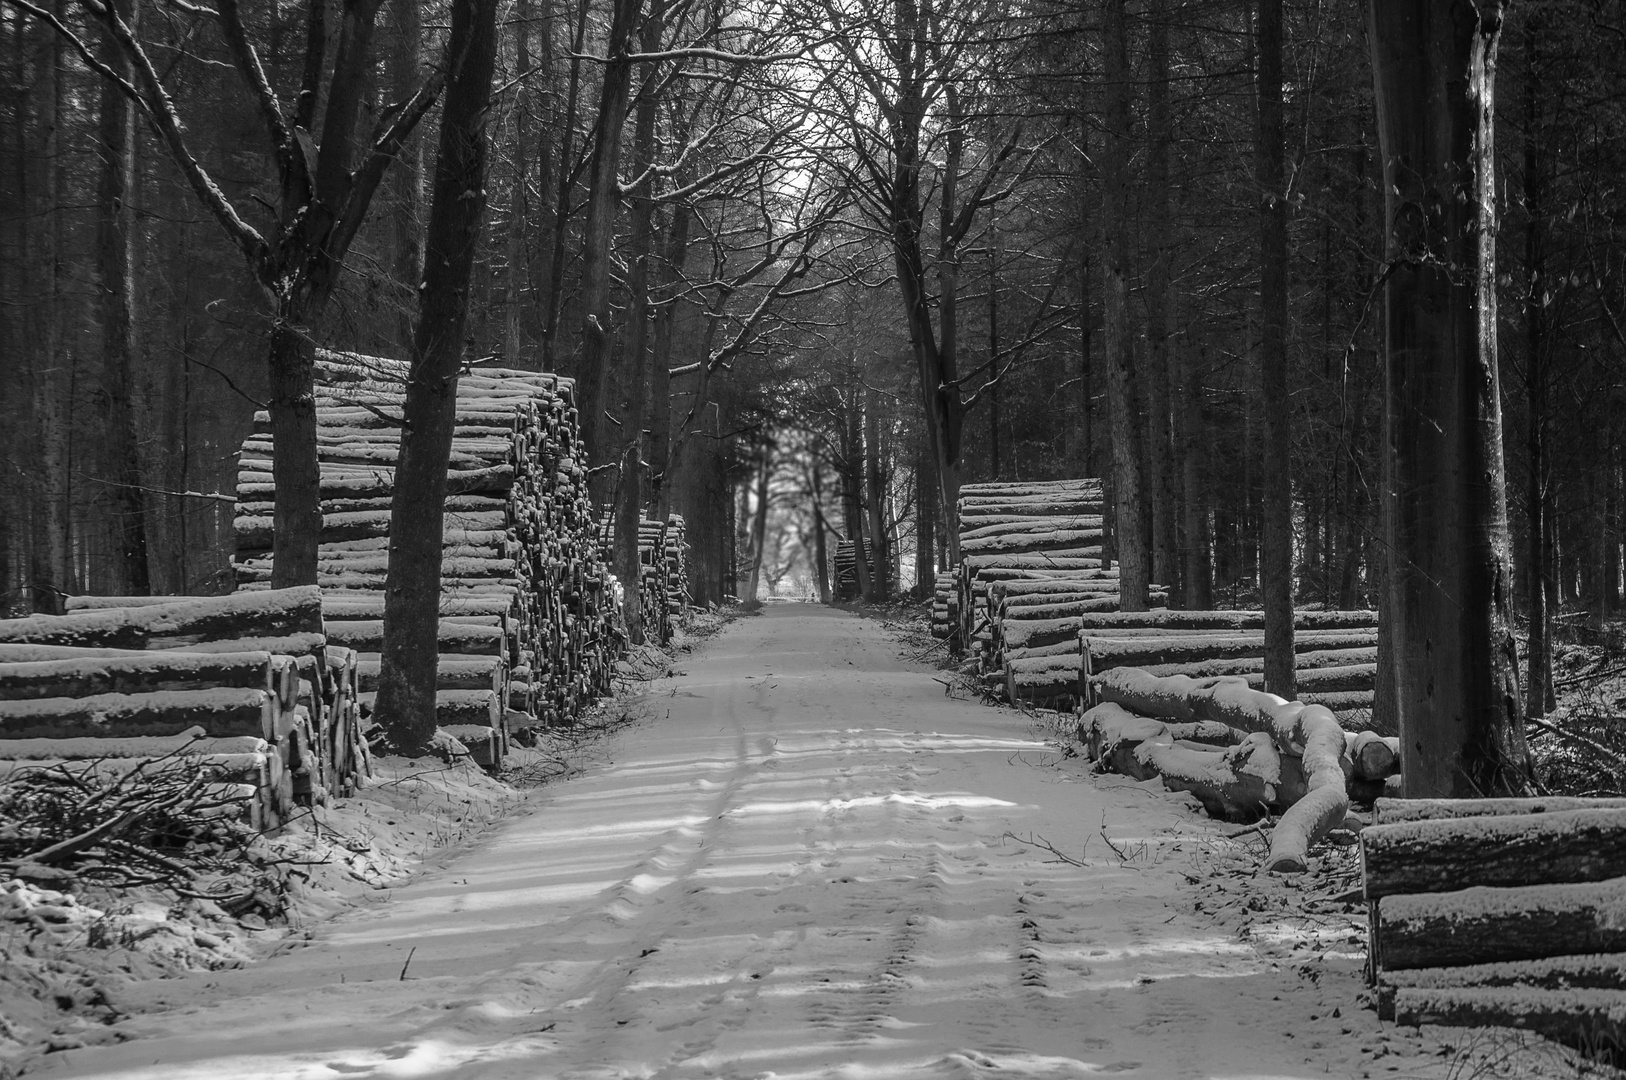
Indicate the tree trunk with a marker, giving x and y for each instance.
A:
(1159, 462)
(1453, 656)
(759, 524)
(1117, 338)
(660, 361)
(1539, 686)
(1198, 579)
(880, 556)
(1276, 531)
(406, 688)
(821, 558)
(596, 355)
(404, 196)
(633, 391)
(925, 527)
(122, 500)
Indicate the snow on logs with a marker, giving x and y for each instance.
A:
(245, 686)
(1500, 911)
(1243, 753)
(523, 579)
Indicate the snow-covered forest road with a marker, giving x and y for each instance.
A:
(800, 865)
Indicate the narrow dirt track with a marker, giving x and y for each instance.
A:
(801, 865)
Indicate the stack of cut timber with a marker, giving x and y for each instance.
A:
(846, 571)
(1503, 912)
(676, 556)
(478, 650)
(1027, 531)
(1243, 753)
(1335, 652)
(945, 604)
(652, 581)
(520, 537)
(272, 704)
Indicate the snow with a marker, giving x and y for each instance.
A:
(805, 861)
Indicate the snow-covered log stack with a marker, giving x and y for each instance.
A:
(1504, 912)
(1335, 652)
(523, 576)
(676, 555)
(653, 586)
(945, 604)
(1046, 530)
(247, 682)
(845, 562)
(1242, 752)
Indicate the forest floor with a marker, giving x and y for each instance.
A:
(813, 856)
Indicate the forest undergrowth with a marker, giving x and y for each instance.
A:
(109, 877)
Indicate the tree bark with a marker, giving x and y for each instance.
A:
(1452, 648)
(595, 354)
(1539, 686)
(1276, 531)
(116, 270)
(880, 556)
(759, 524)
(406, 689)
(1117, 339)
(821, 558)
(1160, 362)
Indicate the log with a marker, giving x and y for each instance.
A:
(1393, 811)
(1598, 972)
(1229, 620)
(452, 672)
(478, 707)
(1486, 924)
(219, 712)
(1373, 756)
(172, 625)
(1239, 784)
(1111, 734)
(147, 672)
(1108, 653)
(1592, 1020)
(1518, 849)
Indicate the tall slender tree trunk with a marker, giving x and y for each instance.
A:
(51, 570)
(821, 558)
(1117, 338)
(1276, 531)
(406, 688)
(759, 524)
(595, 380)
(634, 391)
(925, 527)
(660, 361)
(880, 548)
(1450, 569)
(404, 184)
(1198, 578)
(1159, 373)
(1539, 686)
(122, 501)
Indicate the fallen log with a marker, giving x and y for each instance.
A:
(1239, 784)
(1307, 732)
(1106, 653)
(1483, 924)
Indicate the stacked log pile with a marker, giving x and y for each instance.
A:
(1242, 752)
(676, 556)
(524, 580)
(845, 564)
(247, 683)
(1027, 531)
(945, 604)
(1335, 652)
(1501, 912)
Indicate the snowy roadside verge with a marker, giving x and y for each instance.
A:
(69, 952)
